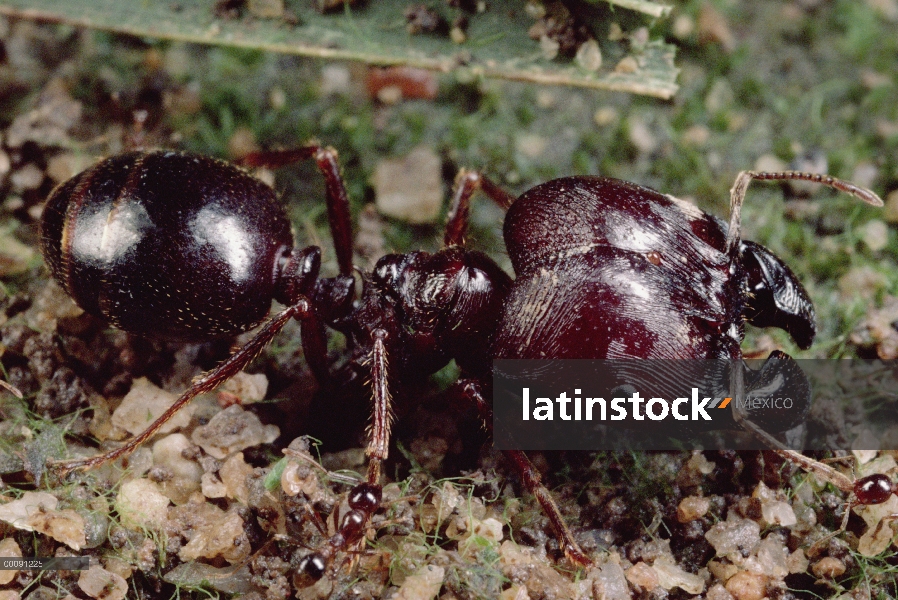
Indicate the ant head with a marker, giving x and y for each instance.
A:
(776, 297)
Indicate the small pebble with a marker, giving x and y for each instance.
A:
(169, 453)
(212, 486)
(266, 9)
(670, 576)
(36, 511)
(875, 234)
(335, 79)
(718, 592)
(142, 505)
(5, 164)
(696, 135)
(28, 177)
(119, 567)
(99, 583)
(746, 585)
(248, 387)
(9, 549)
(797, 562)
(518, 592)
(828, 568)
(610, 583)
(233, 475)
(526, 567)
(770, 558)
(531, 145)
(143, 403)
(683, 26)
(548, 47)
(211, 532)
(865, 174)
(713, 27)
(589, 56)
(424, 584)
(878, 535)
(233, 430)
(641, 136)
(642, 576)
(692, 508)
(627, 64)
(734, 535)
(774, 511)
(242, 142)
(607, 115)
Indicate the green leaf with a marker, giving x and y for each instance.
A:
(497, 42)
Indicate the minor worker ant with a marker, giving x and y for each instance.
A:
(865, 491)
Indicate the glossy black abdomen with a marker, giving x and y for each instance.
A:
(167, 245)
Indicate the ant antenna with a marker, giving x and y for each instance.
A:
(737, 195)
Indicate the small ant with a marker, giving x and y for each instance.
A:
(866, 491)
(364, 499)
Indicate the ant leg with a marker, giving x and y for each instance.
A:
(843, 527)
(11, 389)
(204, 383)
(737, 195)
(337, 199)
(466, 183)
(471, 389)
(840, 459)
(314, 344)
(741, 417)
(381, 417)
(885, 522)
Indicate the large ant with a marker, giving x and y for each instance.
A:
(187, 248)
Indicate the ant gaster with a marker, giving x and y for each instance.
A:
(182, 247)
